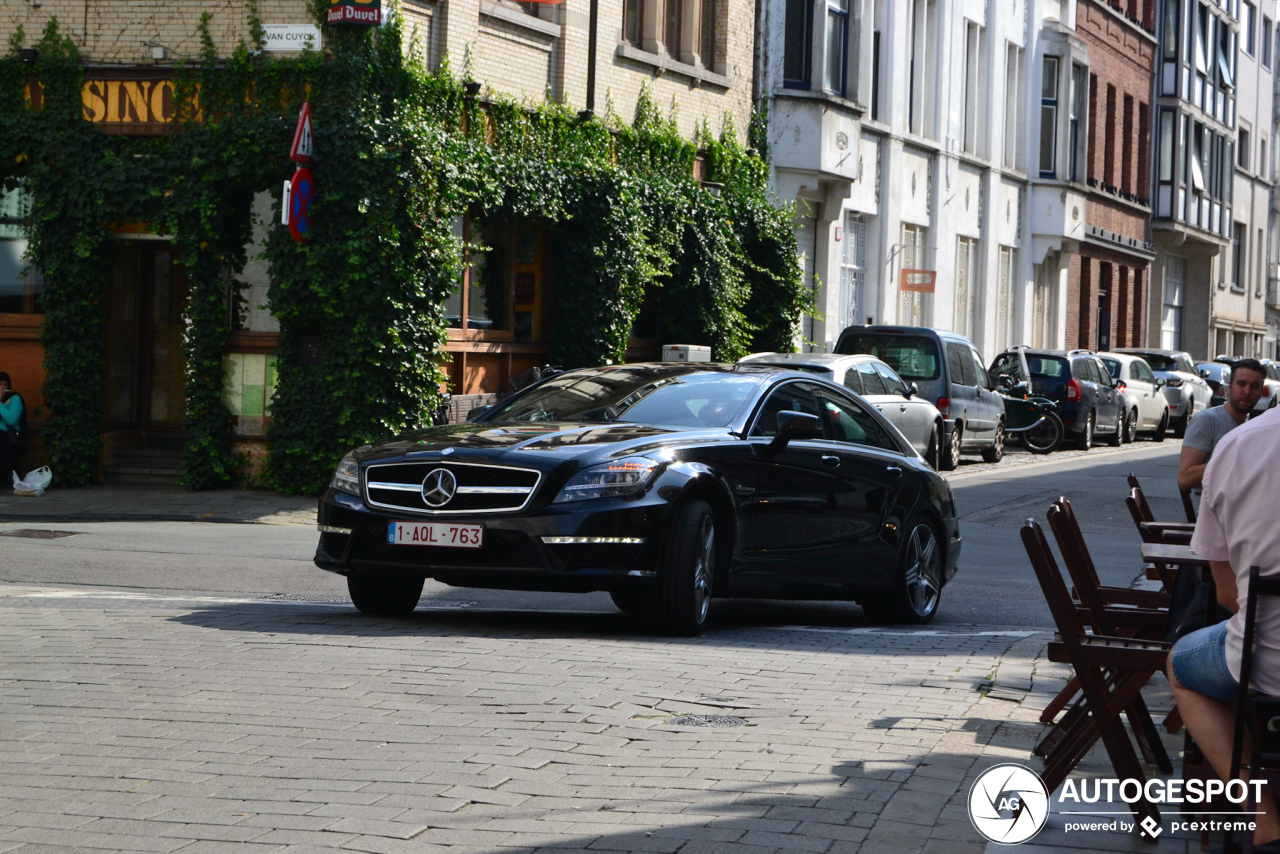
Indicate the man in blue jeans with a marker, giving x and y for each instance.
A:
(1236, 530)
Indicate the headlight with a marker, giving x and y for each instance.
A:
(609, 480)
(1173, 382)
(347, 477)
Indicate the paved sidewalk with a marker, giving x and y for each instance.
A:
(159, 503)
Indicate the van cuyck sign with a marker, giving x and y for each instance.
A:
(354, 13)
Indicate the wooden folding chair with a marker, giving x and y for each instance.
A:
(1256, 712)
(1112, 612)
(1188, 507)
(1129, 662)
(1168, 532)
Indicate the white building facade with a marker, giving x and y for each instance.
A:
(907, 133)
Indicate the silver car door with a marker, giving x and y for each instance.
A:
(917, 425)
(873, 389)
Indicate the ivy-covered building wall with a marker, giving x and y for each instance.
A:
(415, 168)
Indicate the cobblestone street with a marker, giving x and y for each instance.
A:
(136, 722)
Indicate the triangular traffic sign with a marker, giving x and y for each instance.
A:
(302, 150)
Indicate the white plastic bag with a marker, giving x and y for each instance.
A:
(34, 483)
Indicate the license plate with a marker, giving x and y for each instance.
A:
(444, 534)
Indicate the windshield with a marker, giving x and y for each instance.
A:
(1113, 368)
(634, 395)
(1161, 363)
(1048, 367)
(912, 357)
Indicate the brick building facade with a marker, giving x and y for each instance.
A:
(1108, 279)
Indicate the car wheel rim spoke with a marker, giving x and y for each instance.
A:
(702, 571)
(922, 581)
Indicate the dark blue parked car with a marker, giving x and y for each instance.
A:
(1077, 381)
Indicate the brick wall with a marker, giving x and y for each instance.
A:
(1125, 277)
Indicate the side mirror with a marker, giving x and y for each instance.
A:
(1161, 382)
(1004, 381)
(474, 412)
(1204, 373)
(912, 391)
(794, 426)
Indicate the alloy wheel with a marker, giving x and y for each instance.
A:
(702, 570)
(923, 571)
(1131, 427)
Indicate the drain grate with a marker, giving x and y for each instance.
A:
(38, 534)
(707, 721)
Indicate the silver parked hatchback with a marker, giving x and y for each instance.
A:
(918, 420)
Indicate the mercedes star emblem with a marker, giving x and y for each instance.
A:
(438, 487)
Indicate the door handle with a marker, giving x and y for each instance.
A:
(831, 460)
(894, 470)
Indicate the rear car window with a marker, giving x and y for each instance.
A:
(913, 357)
(1048, 367)
(1113, 367)
(1160, 362)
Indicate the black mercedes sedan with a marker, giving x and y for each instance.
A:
(662, 484)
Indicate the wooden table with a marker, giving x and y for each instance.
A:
(1173, 554)
(1169, 532)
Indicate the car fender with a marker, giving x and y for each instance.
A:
(683, 480)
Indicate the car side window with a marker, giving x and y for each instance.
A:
(1144, 373)
(892, 382)
(796, 397)
(1135, 373)
(871, 381)
(852, 382)
(1083, 371)
(1007, 364)
(960, 366)
(980, 372)
(848, 422)
(1104, 376)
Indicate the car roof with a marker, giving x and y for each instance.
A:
(1039, 351)
(1140, 350)
(824, 359)
(905, 330)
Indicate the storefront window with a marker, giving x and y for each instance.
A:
(500, 297)
(20, 284)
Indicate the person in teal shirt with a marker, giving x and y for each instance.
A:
(10, 422)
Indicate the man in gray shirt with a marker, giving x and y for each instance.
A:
(1208, 427)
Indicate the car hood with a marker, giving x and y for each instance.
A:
(553, 440)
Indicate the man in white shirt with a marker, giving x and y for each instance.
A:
(1236, 530)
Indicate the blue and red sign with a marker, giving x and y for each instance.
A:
(302, 194)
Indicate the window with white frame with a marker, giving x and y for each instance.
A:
(1175, 283)
(837, 46)
(1247, 25)
(1044, 332)
(1239, 256)
(916, 308)
(1242, 144)
(923, 66)
(966, 320)
(975, 72)
(1266, 42)
(1013, 77)
(853, 269)
(1049, 117)
(1006, 298)
(1079, 108)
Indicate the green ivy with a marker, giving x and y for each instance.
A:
(400, 153)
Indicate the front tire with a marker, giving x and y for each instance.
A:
(1122, 427)
(1085, 440)
(951, 450)
(933, 456)
(1158, 436)
(385, 595)
(1180, 428)
(995, 453)
(917, 585)
(1131, 433)
(684, 599)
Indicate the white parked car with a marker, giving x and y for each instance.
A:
(1146, 407)
(918, 420)
(1185, 388)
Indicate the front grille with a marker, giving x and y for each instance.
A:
(480, 488)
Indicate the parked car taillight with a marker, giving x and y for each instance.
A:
(1073, 390)
(944, 406)
(1120, 386)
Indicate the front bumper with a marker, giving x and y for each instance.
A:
(617, 545)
